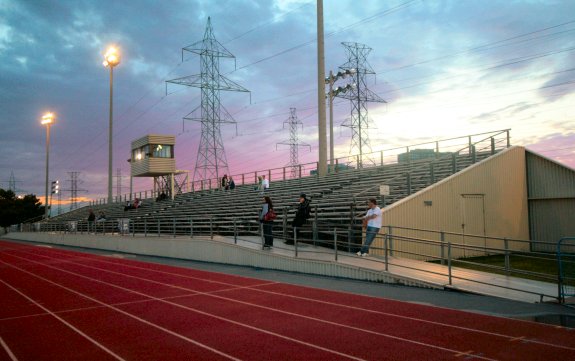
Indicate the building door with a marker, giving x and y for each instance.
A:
(473, 223)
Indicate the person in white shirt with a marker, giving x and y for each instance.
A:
(265, 183)
(372, 223)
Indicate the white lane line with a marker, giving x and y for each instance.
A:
(508, 337)
(63, 321)
(80, 309)
(170, 303)
(8, 351)
(252, 305)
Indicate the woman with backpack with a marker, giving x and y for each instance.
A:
(267, 216)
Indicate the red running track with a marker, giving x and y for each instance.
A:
(64, 305)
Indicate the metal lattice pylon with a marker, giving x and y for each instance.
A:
(359, 96)
(293, 142)
(211, 161)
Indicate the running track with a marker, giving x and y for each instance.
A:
(63, 305)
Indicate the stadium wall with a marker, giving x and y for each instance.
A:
(487, 199)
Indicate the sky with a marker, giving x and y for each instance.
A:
(445, 69)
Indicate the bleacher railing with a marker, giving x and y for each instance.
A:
(441, 148)
(439, 253)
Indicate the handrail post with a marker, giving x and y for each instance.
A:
(335, 242)
(381, 157)
(295, 240)
(492, 145)
(235, 232)
(442, 247)
(449, 262)
(191, 227)
(473, 155)
(314, 231)
(145, 227)
(436, 149)
(390, 232)
(386, 246)
(284, 223)
(508, 140)
(431, 173)
(453, 163)
(174, 226)
(408, 182)
(211, 228)
(158, 227)
(507, 263)
(469, 142)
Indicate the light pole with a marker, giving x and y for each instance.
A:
(322, 141)
(111, 59)
(47, 120)
(332, 93)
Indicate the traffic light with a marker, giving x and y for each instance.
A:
(55, 187)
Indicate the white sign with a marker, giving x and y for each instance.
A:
(383, 190)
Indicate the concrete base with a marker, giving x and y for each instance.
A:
(219, 250)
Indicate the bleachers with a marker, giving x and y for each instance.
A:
(337, 199)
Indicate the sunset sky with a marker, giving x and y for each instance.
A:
(445, 68)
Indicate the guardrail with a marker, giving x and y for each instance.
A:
(439, 253)
(566, 269)
(408, 154)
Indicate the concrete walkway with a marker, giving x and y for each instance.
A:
(433, 274)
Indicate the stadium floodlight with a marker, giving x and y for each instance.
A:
(111, 59)
(332, 93)
(47, 120)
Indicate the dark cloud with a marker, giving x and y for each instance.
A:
(51, 55)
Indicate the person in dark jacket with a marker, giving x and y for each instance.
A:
(301, 215)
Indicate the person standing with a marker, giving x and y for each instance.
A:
(91, 219)
(225, 184)
(372, 224)
(265, 183)
(301, 215)
(267, 206)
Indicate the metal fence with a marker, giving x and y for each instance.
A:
(566, 270)
(435, 253)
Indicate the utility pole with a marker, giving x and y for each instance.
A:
(322, 137)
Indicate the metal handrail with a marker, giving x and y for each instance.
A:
(321, 239)
(426, 164)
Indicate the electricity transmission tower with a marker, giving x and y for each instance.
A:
(359, 96)
(74, 189)
(12, 183)
(293, 142)
(211, 160)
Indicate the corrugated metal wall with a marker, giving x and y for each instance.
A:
(551, 191)
(498, 184)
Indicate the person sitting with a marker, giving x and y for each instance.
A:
(137, 203)
(302, 214)
(101, 217)
(128, 206)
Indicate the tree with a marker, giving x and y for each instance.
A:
(14, 210)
